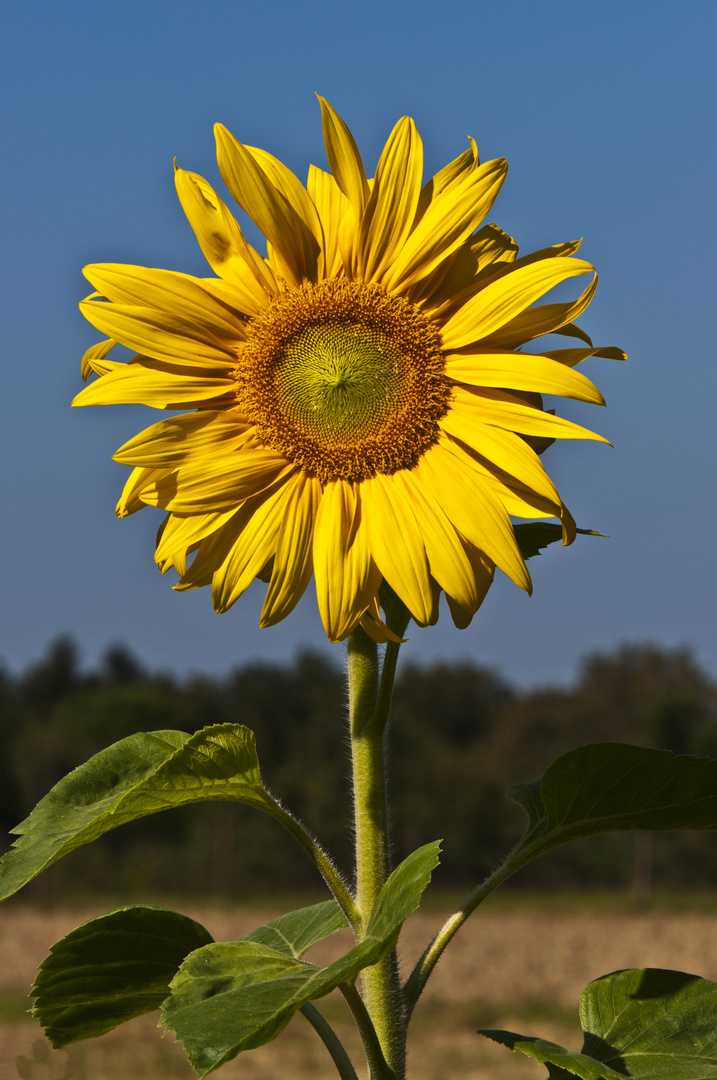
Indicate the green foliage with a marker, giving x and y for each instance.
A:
(137, 776)
(234, 996)
(644, 1023)
(458, 732)
(112, 969)
(295, 933)
(611, 787)
(561, 1062)
(538, 535)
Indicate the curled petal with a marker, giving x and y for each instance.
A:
(223, 243)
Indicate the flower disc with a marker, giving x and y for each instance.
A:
(344, 379)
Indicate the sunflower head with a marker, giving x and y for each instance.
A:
(355, 405)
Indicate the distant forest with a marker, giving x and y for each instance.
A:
(460, 736)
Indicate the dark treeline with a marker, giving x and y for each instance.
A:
(461, 735)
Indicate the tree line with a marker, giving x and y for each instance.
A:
(460, 736)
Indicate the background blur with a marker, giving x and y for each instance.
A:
(602, 111)
(461, 735)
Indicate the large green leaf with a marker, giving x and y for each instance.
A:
(536, 536)
(644, 1023)
(137, 776)
(111, 969)
(609, 787)
(231, 997)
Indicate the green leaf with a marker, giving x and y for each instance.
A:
(231, 997)
(296, 932)
(661, 1024)
(536, 536)
(137, 776)
(568, 1062)
(112, 969)
(644, 1023)
(610, 787)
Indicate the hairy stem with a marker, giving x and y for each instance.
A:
(369, 704)
(331, 1041)
(419, 976)
(321, 861)
(377, 1064)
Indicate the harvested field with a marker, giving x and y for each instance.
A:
(521, 969)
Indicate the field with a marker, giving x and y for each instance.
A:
(520, 968)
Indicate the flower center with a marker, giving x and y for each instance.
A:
(344, 379)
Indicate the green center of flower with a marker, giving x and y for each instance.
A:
(339, 382)
(344, 379)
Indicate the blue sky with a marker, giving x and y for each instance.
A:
(604, 112)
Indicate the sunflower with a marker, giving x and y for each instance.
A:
(360, 409)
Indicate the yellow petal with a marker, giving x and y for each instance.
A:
(451, 217)
(93, 357)
(147, 383)
(391, 207)
(332, 206)
(519, 498)
(396, 542)
(555, 251)
(223, 243)
(344, 158)
(182, 532)
(572, 329)
(349, 243)
(254, 546)
(572, 357)
(450, 175)
(168, 443)
(130, 499)
(501, 452)
(464, 271)
(346, 576)
(504, 410)
(293, 561)
(376, 628)
(473, 508)
(217, 481)
(172, 293)
(519, 503)
(491, 245)
(446, 178)
(162, 335)
(214, 548)
(502, 300)
(269, 193)
(545, 319)
(521, 371)
(483, 573)
(497, 268)
(447, 559)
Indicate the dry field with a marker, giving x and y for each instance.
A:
(521, 969)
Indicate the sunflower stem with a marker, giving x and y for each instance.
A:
(379, 1068)
(369, 706)
(421, 973)
(321, 860)
(331, 1041)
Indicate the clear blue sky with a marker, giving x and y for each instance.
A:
(605, 112)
